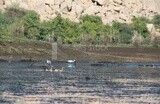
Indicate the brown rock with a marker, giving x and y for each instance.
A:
(151, 28)
(79, 9)
(101, 2)
(118, 2)
(92, 10)
(109, 9)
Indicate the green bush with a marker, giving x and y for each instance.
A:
(91, 19)
(4, 19)
(16, 29)
(140, 25)
(4, 22)
(61, 28)
(31, 23)
(124, 33)
(93, 26)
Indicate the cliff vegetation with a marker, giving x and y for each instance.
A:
(18, 24)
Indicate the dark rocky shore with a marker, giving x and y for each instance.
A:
(36, 51)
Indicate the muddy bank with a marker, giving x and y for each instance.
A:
(43, 50)
(24, 50)
(113, 54)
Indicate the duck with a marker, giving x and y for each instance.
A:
(46, 68)
(57, 70)
(52, 69)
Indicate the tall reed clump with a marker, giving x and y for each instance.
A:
(137, 39)
(155, 39)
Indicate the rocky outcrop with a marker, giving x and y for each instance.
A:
(109, 10)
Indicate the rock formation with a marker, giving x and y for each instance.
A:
(109, 10)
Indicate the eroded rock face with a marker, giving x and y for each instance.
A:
(101, 2)
(109, 10)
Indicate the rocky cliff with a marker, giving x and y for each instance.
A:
(121, 10)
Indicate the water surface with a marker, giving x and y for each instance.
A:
(24, 82)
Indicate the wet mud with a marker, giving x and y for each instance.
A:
(24, 82)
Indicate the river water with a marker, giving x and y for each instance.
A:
(23, 82)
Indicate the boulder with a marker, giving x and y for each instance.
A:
(122, 10)
(1, 2)
(92, 10)
(49, 10)
(49, 2)
(40, 6)
(117, 9)
(57, 2)
(151, 28)
(118, 2)
(24, 5)
(101, 2)
(69, 5)
(123, 17)
(8, 2)
(85, 1)
(72, 15)
(79, 9)
(64, 7)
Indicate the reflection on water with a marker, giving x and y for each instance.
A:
(85, 83)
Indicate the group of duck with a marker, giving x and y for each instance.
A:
(50, 68)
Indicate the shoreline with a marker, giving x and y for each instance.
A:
(38, 51)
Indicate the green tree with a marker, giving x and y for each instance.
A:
(33, 33)
(4, 22)
(61, 28)
(124, 33)
(45, 30)
(31, 23)
(93, 26)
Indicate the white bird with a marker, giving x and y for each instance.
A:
(71, 61)
(48, 62)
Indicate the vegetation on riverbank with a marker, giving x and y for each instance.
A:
(20, 24)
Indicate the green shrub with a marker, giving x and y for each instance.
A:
(31, 23)
(4, 22)
(93, 26)
(91, 18)
(16, 29)
(124, 33)
(140, 26)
